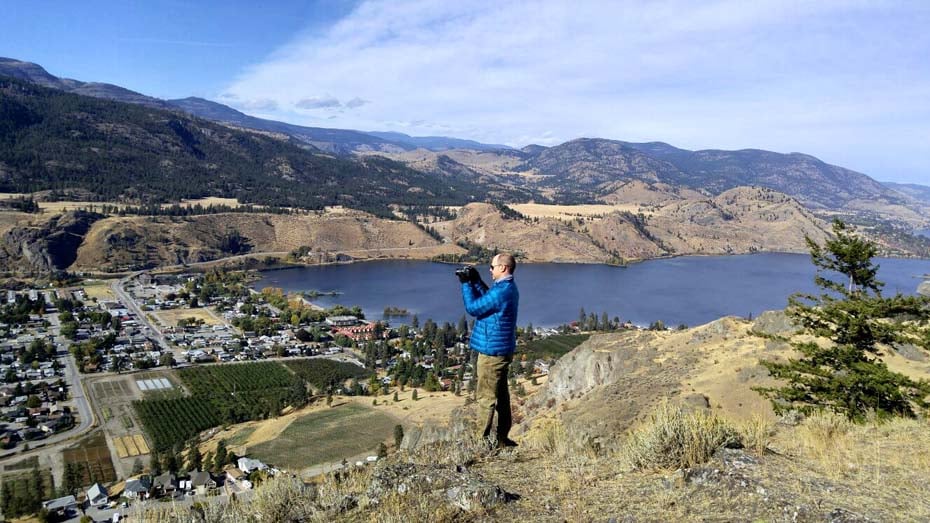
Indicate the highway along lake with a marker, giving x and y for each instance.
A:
(689, 290)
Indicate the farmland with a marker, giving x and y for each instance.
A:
(219, 394)
(326, 435)
(324, 373)
(553, 346)
(91, 460)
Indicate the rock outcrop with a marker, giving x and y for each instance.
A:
(924, 288)
(52, 246)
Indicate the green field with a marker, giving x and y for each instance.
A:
(553, 346)
(323, 373)
(326, 436)
(219, 394)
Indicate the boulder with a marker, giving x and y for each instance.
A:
(924, 288)
(456, 484)
(774, 323)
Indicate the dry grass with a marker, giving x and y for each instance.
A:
(539, 210)
(673, 438)
(171, 317)
(869, 452)
(756, 433)
(99, 290)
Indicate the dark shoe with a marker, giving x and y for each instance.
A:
(506, 443)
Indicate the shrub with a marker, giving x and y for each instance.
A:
(673, 438)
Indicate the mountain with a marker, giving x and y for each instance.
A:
(813, 181)
(338, 141)
(436, 143)
(592, 163)
(918, 192)
(34, 73)
(55, 141)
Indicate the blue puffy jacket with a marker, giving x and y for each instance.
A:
(495, 310)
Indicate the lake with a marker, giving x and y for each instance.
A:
(690, 290)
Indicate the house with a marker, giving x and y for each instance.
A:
(236, 477)
(138, 488)
(248, 465)
(165, 484)
(60, 506)
(341, 321)
(97, 495)
(202, 482)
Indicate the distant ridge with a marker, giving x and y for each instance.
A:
(916, 191)
(338, 141)
(437, 143)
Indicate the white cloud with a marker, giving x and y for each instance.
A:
(820, 77)
(318, 102)
(356, 102)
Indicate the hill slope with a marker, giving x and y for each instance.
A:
(57, 141)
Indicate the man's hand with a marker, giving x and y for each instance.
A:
(464, 276)
(475, 277)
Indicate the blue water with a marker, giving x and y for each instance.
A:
(689, 290)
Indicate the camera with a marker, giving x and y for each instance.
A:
(463, 272)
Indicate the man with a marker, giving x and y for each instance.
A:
(494, 338)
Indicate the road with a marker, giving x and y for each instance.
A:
(130, 303)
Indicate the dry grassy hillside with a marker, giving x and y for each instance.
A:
(742, 220)
(633, 426)
(122, 241)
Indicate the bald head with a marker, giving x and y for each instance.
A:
(507, 260)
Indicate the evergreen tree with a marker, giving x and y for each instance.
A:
(155, 462)
(398, 435)
(382, 450)
(220, 456)
(847, 375)
(194, 457)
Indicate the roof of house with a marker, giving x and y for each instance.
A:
(165, 480)
(199, 478)
(60, 503)
(96, 490)
(249, 463)
(140, 484)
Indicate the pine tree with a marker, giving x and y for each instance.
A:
(194, 457)
(847, 375)
(398, 435)
(220, 457)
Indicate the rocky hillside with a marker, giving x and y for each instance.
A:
(683, 397)
(742, 220)
(136, 242)
(42, 246)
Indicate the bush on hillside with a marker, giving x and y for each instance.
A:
(674, 438)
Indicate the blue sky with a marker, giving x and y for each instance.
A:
(847, 81)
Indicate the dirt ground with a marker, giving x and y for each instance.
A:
(170, 318)
(99, 289)
(539, 210)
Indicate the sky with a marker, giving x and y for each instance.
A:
(848, 82)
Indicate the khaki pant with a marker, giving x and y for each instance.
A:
(492, 395)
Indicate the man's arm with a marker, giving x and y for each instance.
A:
(480, 304)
